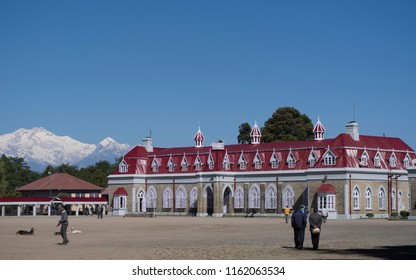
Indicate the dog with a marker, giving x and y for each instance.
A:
(75, 230)
(25, 232)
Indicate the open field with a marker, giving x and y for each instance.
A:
(182, 238)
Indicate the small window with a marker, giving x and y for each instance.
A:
(312, 159)
(155, 166)
(364, 159)
(171, 165)
(406, 161)
(210, 162)
(198, 163)
(123, 167)
(274, 162)
(329, 158)
(377, 160)
(184, 164)
(291, 161)
(258, 164)
(226, 163)
(392, 160)
(242, 162)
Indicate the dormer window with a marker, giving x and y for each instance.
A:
(329, 158)
(198, 163)
(171, 165)
(210, 161)
(123, 167)
(155, 165)
(291, 160)
(226, 162)
(364, 159)
(393, 160)
(242, 162)
(406, 161)
(258, 164)
(312, 159)
(274, 161)
(184, 164)
(377, 159)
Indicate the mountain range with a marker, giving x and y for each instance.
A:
(40, 148)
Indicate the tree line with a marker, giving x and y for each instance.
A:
(15, 172)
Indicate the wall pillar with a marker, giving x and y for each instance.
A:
(3, 211)
(218, 199)
(19, 209)
(34, 210)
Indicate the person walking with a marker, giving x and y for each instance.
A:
(324, 214)
(298, 222)
(315, 222)
(63, 222)
(100, 212)
(286, 211)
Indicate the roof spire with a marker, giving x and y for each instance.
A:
(199, 138)
(319, 130)
(255, 134)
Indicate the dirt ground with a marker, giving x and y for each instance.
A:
(193, 238)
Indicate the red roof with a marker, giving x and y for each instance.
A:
(326, 188)
(49, 199)
(346, 150)
(60, 182)
(120, 191)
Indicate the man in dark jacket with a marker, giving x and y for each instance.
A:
(63, 222)
(298, 222)
(315, 221)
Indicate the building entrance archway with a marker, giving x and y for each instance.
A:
(210, 201)
(227, 201)
(141, 202)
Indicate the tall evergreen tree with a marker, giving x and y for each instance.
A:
(244, 133)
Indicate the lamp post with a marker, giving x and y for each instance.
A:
(50, 184)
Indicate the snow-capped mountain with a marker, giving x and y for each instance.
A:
(40, 147)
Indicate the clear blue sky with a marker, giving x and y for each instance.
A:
(92, 69)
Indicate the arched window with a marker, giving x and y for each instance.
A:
(356, 198)
(167, 198)
(288, 197)
(368, 199)
(193, 198)
(181, 198)
(393, 199)
(254, 197)
(151, 197)
(239, 198)
(271, 197)
(408, 202)
(400, 201)
(381, 199)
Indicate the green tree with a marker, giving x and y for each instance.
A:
(287, 124)
(14, 173)
(244, 133)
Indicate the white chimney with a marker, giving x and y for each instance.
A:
(352, 130)
(147, 143)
